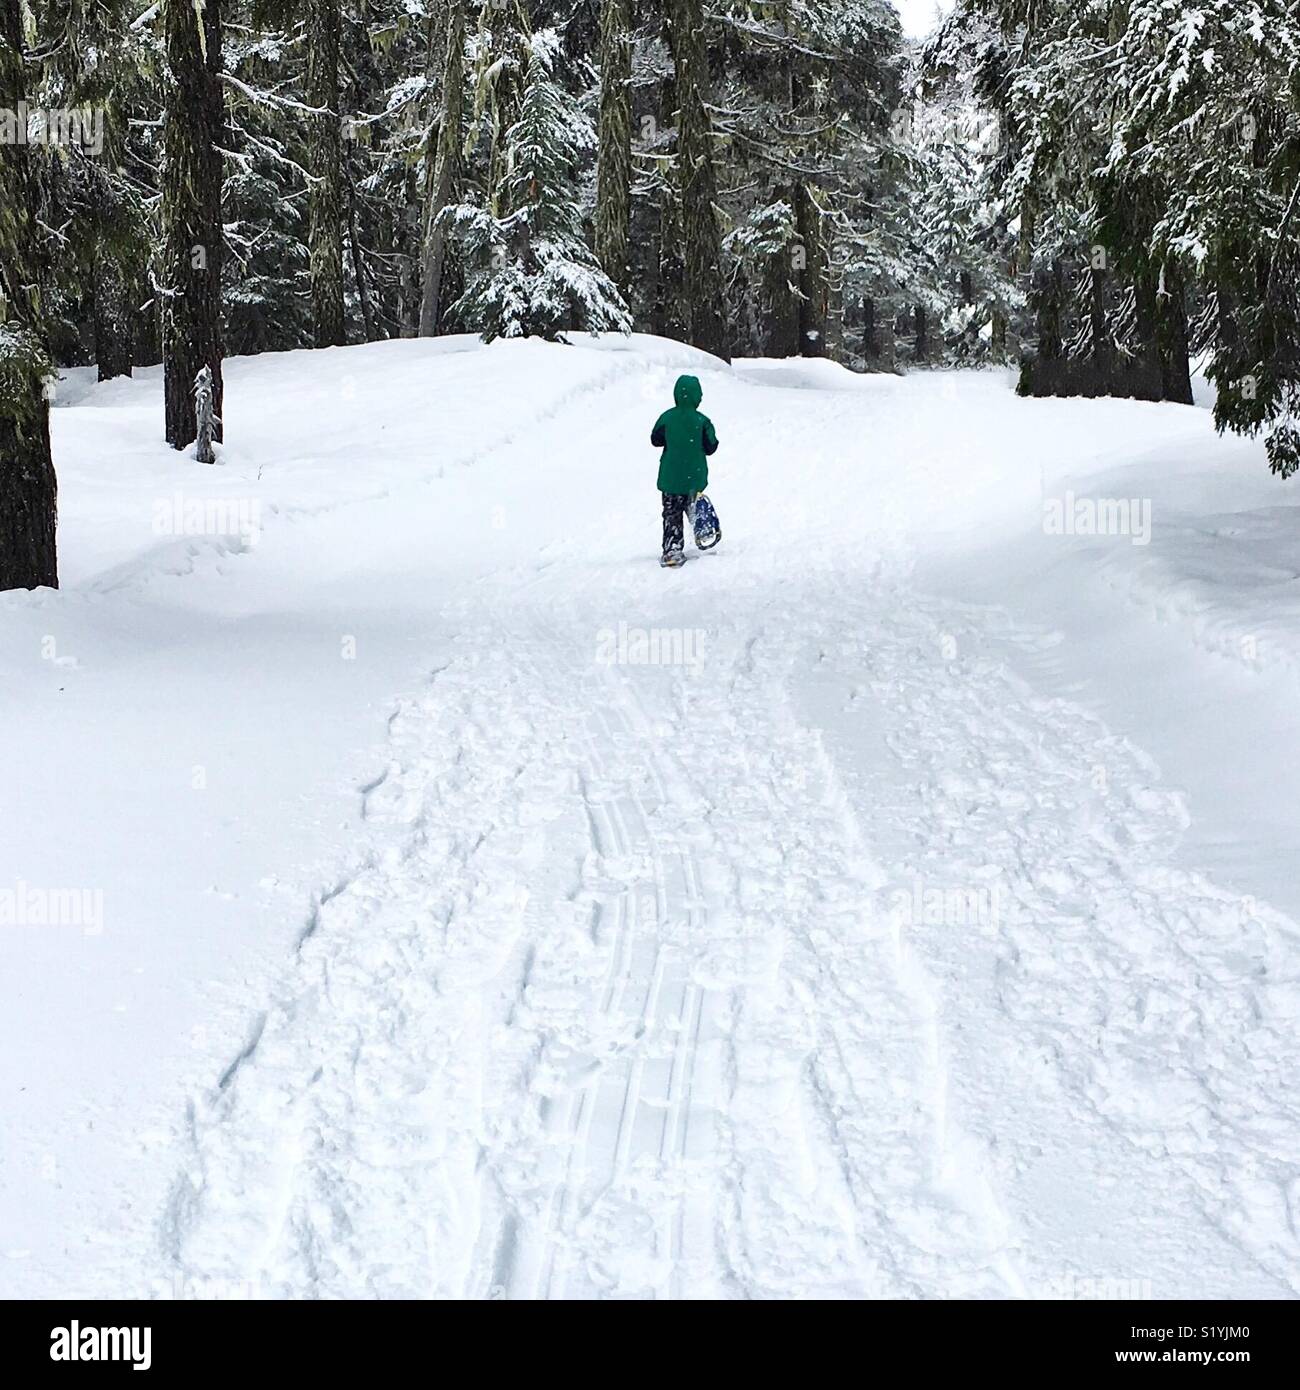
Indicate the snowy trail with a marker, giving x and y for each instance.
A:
(823, 957)
(669, 1028)
(652, 1022)
(638, 995)
(700, 1060)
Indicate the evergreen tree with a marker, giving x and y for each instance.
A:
(614, 182)
(444, 189)
(530, 272)
(1105, 189)
(697, 180)
(265, 274)
(28, 491)
(325, 228)
(814, 184)
(94, 211)
(191, 212)
(1208, 114)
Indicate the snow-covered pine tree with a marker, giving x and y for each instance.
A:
(92, 203)
(959, 139)
(529, 270)
(266, 281)
(1208, 112)
(855, 201)
(28, 491)
(815, 186)
(1037, 67)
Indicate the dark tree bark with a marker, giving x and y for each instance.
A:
(325, 161)
(191, 207)
(780, 323)
(445, 187)
(813, 268)
(870, 343)
(1103, 345)
(408, 308)
(28, 490)
(814, 290)
(998, 342)
(358, 263)
(1171, 338)
(701, 234)
(1050, 296)
(113, 328)
(1148, 368)
(614, 168)
(922, 321)
(666, 317)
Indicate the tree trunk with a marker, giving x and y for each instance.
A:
(446, 179)
(358, 262)
(113, 282)
(1103, 347)
(701, 234)
(667, 319)
(870, 344)
(191, 210)
(28, 490)
(325, 161)
(835, 316)
(922, 353)
(780, 324)
(813, 287)
(1022, 263)
(113, 336)
(503, 33)
(408, 308)
(1171, 337)
(1148, 372)
(614, 169)
(998, 341)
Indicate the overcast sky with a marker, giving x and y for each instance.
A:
(918, 15)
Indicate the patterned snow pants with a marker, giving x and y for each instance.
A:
(675, 504)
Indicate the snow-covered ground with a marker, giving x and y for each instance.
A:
(901, 900)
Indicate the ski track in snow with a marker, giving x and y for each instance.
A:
(606, 1010)
(609, 1031)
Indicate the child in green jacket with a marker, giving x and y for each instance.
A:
(687, 438)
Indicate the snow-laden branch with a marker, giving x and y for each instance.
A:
(271, 99)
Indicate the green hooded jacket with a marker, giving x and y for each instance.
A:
(686, 438)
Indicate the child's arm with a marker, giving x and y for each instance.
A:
(710, 438)
(657, 436)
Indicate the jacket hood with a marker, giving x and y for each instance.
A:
(688, 391)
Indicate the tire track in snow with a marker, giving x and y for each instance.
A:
(638, 1092)
(690, 1022)
(897, 1265)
